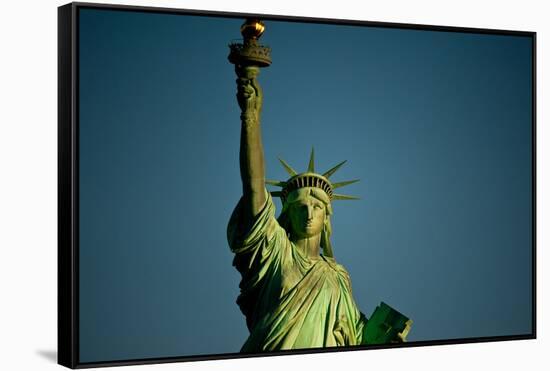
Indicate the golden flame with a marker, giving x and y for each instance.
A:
(252, 28)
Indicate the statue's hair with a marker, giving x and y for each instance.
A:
(284, 218)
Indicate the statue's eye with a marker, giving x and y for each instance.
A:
(318, 207)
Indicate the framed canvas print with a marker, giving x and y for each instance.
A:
(235, 185)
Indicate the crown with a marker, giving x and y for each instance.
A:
(311, 179)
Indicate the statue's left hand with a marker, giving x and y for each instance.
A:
(402, 336)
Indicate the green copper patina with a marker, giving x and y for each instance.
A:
(293, 292)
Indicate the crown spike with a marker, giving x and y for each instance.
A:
(287, 167)
(344, 197)
(311, 166)
(277, 183)
(328, 173)
(345, 183)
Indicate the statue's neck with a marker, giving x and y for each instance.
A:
(310, 246)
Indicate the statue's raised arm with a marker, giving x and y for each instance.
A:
(248, 57)
(249, 96)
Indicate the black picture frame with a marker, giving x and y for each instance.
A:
(68, 184)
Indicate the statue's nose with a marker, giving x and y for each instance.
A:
(309, 212)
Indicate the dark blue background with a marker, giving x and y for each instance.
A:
(437, 126)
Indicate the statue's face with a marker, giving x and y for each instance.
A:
(307, 217)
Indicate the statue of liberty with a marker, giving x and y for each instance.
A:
(293, 292)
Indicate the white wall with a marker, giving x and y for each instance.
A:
(28, 181)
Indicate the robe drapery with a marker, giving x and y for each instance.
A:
(290, 300)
